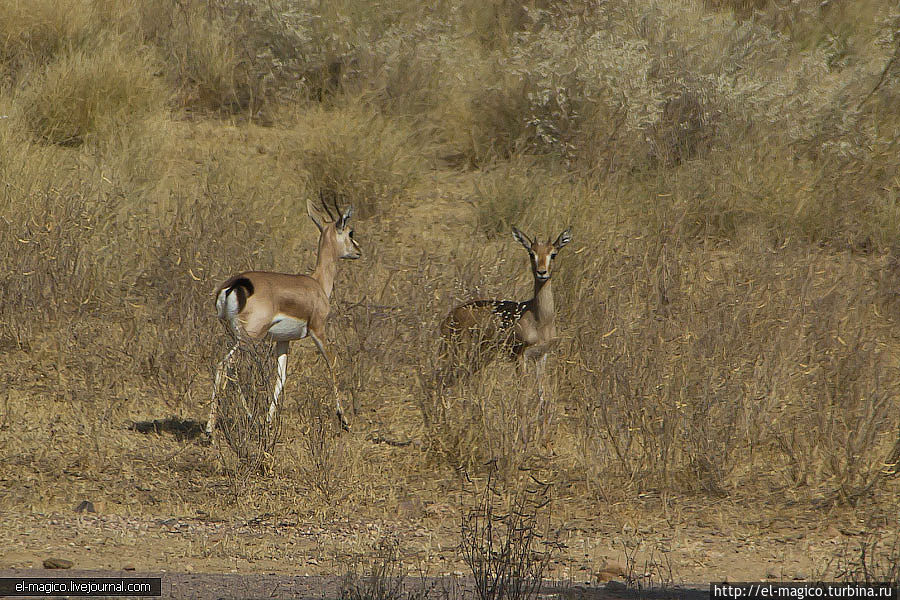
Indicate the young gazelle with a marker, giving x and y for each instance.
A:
(282, 307)
(527, 329)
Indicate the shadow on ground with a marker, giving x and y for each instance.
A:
(182, 429)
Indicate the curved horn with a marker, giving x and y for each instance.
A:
(337, 208)
(324, 204)
(311, 211)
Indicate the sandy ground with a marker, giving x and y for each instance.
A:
(286, 553)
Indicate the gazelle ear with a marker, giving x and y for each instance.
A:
(313, 214)
(564, 238)
(522, 238)
(342, 222)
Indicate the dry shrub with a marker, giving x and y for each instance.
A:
(232, 55)
(33, 33)
(848, 199)
(210, 71)
(358, 154)
(84, 239)
(46, 253)
(495, 23)
(405, 68)
(478, 404)
(320, 455)
(587, 94)
(491, 414)
(490, 100)
(370, 334)
(529, 194)
(826, 182)
(506, 541)
(243, 410)
(499, 114)
(656, 571)
(382, 579)
(874, 559)
(527, 103)
(809, 22)
(206, 55)
(50, 234)
(90, 92)
(695, 388)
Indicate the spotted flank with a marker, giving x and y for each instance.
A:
(509, 311)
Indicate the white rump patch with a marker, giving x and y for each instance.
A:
(227, 309)
(227, 304)
(285, 328)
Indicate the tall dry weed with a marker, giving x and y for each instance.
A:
(695, 390)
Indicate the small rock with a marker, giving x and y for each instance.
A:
(799, 577)
(57, 563)
(128, 567)
(85, 506)
(615, 586)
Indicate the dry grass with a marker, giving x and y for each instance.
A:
(727, 306)
(357, 153)
(84, 92)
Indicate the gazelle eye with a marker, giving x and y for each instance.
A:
(351, 234)
(552, 255)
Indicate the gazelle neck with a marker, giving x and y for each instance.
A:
(326, 262)
(542, 303)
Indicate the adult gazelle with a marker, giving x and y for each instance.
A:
(258, 305)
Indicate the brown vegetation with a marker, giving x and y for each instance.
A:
(726, 310)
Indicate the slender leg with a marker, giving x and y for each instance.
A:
(331, 361)
(543, 410)
(281, 351)
(539, 353)
(526, 417)
(223, 365)
(540, 365)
